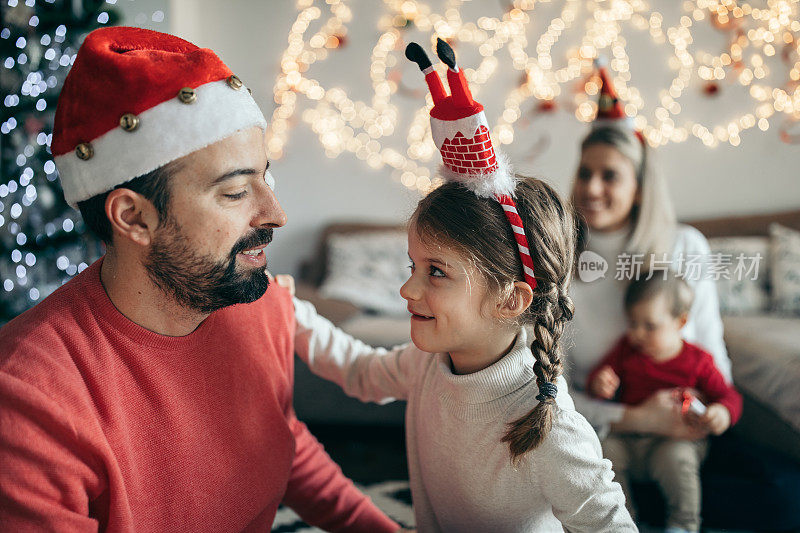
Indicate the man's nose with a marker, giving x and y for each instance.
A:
(270, 213)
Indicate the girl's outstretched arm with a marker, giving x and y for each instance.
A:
(363, 372)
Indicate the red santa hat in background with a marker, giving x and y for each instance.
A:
(609, 109)
(461, 133)
(136, 100)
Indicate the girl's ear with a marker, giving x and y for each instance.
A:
(516, 304)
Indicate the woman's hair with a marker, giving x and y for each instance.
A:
(476, 228)
(679, 295)
(653, 219)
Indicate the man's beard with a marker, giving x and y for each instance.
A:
(201, 282)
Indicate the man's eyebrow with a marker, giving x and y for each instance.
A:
(233, 174)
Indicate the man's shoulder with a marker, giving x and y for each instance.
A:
(41, 334)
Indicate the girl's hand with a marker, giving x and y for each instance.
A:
(283, 280)
(660, 414)
(717, 419)
(605, 383)
(286, 281)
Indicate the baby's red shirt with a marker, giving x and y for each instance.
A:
(640, 375)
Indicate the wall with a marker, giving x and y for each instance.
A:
(760, 175)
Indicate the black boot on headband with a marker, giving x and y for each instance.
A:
(415, 53)
(445, 53)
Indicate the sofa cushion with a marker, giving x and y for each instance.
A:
(368, 269)
(743, 289)
(785, 269)
(765, 357)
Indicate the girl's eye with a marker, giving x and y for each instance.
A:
(584, 174)
(609, 175)
(437, 272)
(237, 196)
(411, 267)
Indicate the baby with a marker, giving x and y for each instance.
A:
(653, 356)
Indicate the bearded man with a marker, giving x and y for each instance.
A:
(153, 391)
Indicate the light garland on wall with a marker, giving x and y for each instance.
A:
(757, 36)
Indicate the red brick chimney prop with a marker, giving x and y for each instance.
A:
(461, 132)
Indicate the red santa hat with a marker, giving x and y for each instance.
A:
(609, 109)
(461, 132)
(136, 100)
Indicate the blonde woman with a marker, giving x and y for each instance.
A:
(628, 218)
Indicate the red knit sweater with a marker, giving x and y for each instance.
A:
(106, 424)
(640, 376)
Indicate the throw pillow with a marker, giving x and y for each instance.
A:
(744, 286)
(368, 269)
(785, 269)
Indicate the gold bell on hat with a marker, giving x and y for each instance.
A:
(129, 122)
(84, 151)
(187, 95)
(234, 82)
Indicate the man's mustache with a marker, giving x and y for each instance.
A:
(259, 237)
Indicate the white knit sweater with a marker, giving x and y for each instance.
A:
(600, 318)
(461, 474)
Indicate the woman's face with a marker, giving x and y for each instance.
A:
(605, 188)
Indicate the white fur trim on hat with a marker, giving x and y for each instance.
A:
(166, 132)
(447, 129)
(500, 181)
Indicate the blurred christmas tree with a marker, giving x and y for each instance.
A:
(43, 242)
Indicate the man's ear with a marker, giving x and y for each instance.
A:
(516, 304)
(131, 215)
(683, 318)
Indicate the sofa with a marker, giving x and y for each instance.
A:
(751, 479)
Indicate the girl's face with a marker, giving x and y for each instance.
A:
(451, 309)
(605, 188)
(653, 330)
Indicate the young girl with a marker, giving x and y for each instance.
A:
(493, 439)
(494, 442)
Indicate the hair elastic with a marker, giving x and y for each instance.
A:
(547, 390)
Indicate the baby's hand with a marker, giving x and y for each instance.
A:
(283, 280)
(717, 419)
(605, 383)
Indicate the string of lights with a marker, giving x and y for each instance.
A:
(762, 55)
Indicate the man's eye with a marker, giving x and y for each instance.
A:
(237, 196)
(269, 179)
(437, 272)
